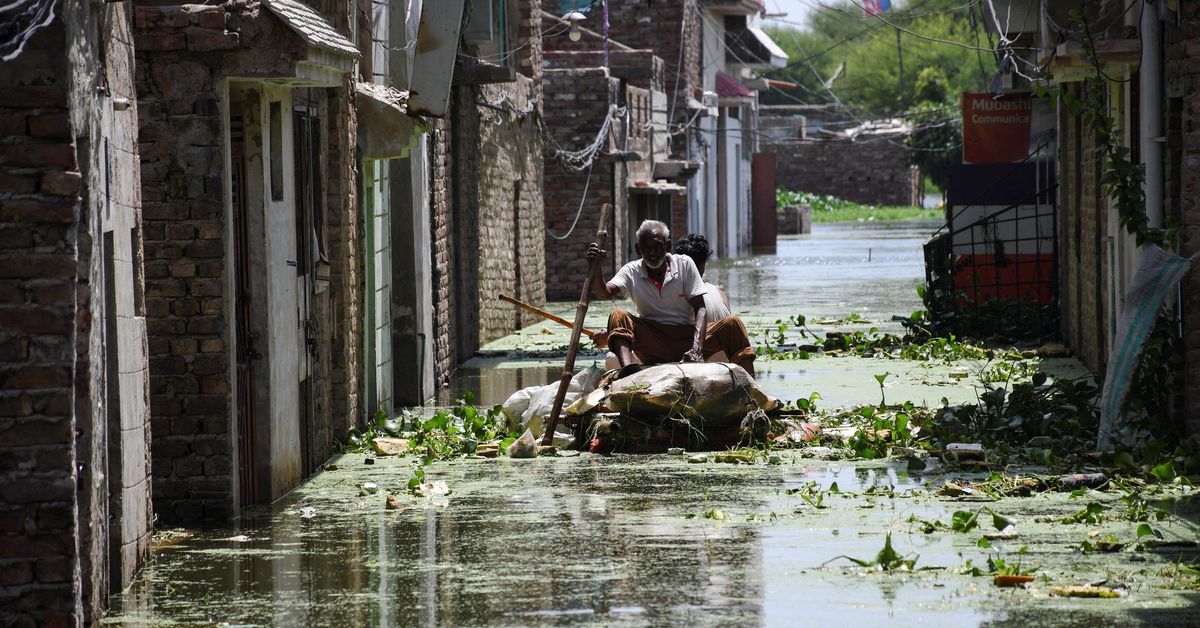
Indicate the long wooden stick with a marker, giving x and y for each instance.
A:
(544, 314)
(580, 313)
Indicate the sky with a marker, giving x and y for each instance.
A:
(797, 10)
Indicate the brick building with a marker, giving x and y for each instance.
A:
(872, 169)
(486, 158)
(1152, 88)
(247, 141)
(74, 427)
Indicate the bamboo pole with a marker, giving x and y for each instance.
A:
(544, 314)
(577, 328)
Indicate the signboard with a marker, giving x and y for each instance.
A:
(995, 129)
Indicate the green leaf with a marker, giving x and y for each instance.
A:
(1145, 530)
(964, 521)
(999, 521)
(983, 543)
(1165, 472)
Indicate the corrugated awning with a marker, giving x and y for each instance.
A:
(752, 46)
(648, 187)
(729, 87)
(327, 55)
(385, 130)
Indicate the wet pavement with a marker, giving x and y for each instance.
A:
(654, 540)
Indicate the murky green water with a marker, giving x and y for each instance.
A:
(621, 540)
(625, 540)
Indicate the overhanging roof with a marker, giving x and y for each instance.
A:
(729, 87)
(385, 130)
(328, 56)
(752, 46)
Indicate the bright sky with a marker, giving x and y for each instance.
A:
(797, 10)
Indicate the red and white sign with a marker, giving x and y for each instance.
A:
(995, 129)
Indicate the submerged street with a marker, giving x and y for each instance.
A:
(588, 539)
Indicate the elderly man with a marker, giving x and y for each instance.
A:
(672, 324)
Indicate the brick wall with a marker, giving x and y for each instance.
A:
(499, 210)
(39, 214)
(440, 222)
(865, 172)
(1182, 192)
(577, 102)
(1083, 266)
(179, 84)
(346, 264)
(185, 57)
(68, 323)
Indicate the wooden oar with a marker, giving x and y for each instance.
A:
(577, 328)
(544, 314)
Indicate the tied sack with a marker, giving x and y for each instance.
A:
(703, 392)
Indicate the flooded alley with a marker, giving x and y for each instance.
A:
(585, 539)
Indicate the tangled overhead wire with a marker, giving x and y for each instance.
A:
(19, 20)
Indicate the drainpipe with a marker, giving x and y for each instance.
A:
(1150, 85)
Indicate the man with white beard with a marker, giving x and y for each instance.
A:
(672, 323)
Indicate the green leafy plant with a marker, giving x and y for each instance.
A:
(888, 559)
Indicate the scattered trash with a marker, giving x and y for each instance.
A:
(393, 503)
(1011, 580)
(523, 447)
(1084, 591)
(369, 461)
(949, 489)
(431, 489)
(697, 458)
(547, 450)
(965, 451)
(734, 457)
(1007, 534)
(959, 373)
(308, 512)
(368, 488)
(1073, 481)
(528, 408)
(388, 446)
(487, 450)
(675, 451)
(716, 514)
(240, 538)
(774, 459)
(331, 467)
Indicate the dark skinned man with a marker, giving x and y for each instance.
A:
(672, 323)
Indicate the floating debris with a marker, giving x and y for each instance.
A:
(523, 447)
(1084, 591)
(388, 446)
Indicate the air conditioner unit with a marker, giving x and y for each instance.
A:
(709, 99)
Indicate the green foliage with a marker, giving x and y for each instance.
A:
(883, 430)
(870, 83)
(1122, 178)
(888, 559)
(828, 208)
(1091, 514)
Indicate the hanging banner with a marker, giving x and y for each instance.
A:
(995, 130)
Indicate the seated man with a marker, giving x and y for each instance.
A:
(672, 323)
(696, 247)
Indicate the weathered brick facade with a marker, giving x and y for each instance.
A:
(74, 489)
(577, 102)
(874, 171)
(498, 220)
(1083, 265)
(1182, 191)
(441, 223)
(200, 71)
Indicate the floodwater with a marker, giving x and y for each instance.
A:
(597, 540)
(870, 270)
(653, 540)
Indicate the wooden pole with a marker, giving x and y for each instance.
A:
(544, 314)
(577, 328)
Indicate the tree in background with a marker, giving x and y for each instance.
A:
(841, 56)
